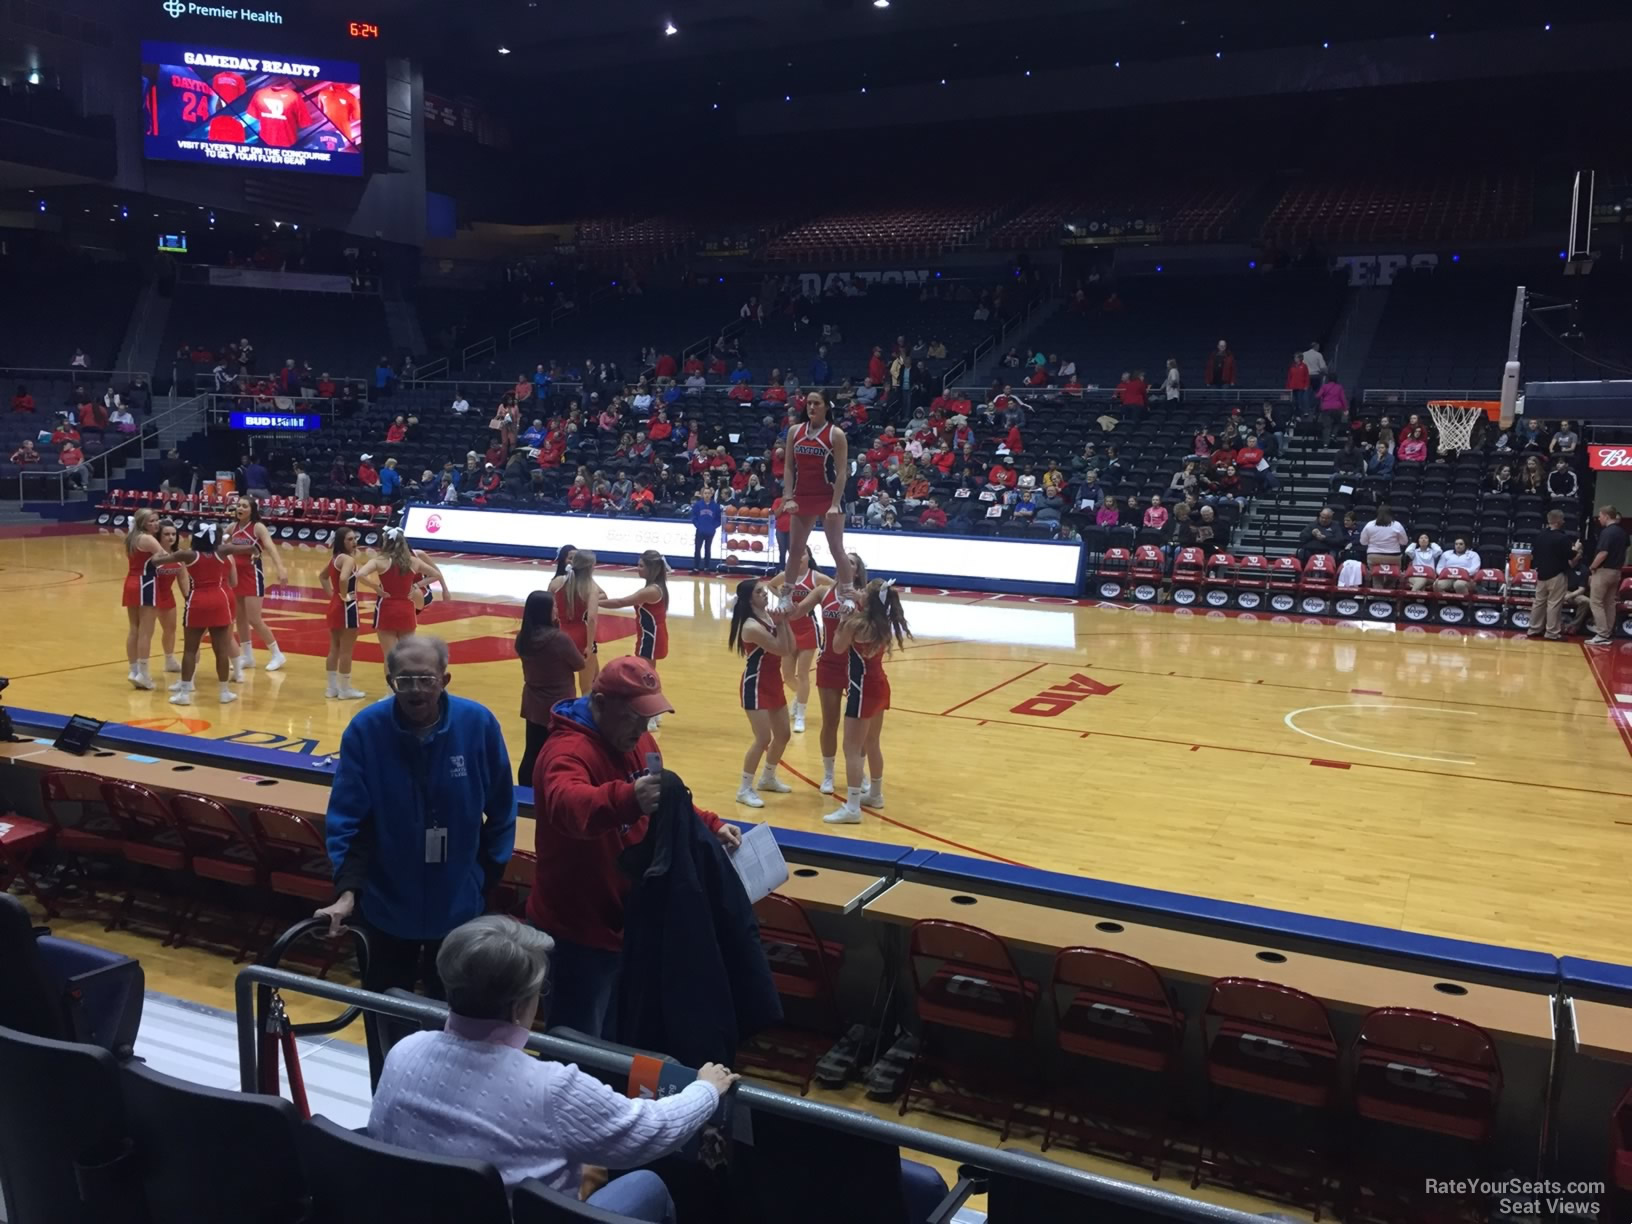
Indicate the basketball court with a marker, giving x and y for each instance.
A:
(1458, 782)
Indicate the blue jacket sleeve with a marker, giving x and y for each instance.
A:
(349, 815)
(499, 828)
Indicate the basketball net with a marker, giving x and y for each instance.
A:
(1454, 419)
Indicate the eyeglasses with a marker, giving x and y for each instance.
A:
(411, 682)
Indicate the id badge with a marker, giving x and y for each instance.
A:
(436, 845)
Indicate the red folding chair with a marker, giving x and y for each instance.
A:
(1146, 574)
(804, 968)
(1112, 1008)
(1285, 577)
(1273, 1043)
(1417, 605)
(152, 840)
(1521, 592)
(1215, 592)
(1113, 573)
(1488, 603)
(222, 850)
(1189, 572)
(81, 825)
(967, 982)
(1249, 580)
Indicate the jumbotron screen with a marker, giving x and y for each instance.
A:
(251, 109)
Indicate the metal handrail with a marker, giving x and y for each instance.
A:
(1020, 1165)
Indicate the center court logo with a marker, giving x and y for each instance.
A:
(433, 524)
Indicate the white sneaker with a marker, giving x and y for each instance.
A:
(247, 658)
(142, 680)
(350, 694)
(171, 663)
(227, 695)
(275, 662)
(237, 674)
(747, 798)
(178, 686)
(774, 784)
(843, 816)
(827, 785)
(1598, 640)
(799, 718)
(872, 799)
(130, 673)
(182, 696)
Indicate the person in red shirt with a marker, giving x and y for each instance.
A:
(1297, 382)
(858, 410)
(719, 461)
(665, 366)
(1249, 456)
(877, 371)
(367, 474)
(779, 461)
(742, 393)
(73, 460)
(694, 365)
(552, 452)
(25, 454)
(641, 498)
(495, 453)
(717, 367)
(942, 460)
(21, 400)
(1221, 458)
(398, 431)
(1037, 378)
(776, 394)
(660, 429)
(1003, 475)
(92, 415)
(578, 497)
(64, 432)
(1013, 441)
(932, 517)
(1072, 386)
(325, 386)
(866, 482)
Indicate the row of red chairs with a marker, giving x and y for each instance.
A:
(289, 518)
(1413, 1071)
(1249, 582)
(267, 852)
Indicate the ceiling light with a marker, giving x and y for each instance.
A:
(787, 97)
(1028, 71)
(671, 29)
(1548, 28)
(1432, 36)
(943, 80)
(504, 50)
(864, 89)
(1218, 55)
(881, 3)
(1117, 64)
(1325, 46)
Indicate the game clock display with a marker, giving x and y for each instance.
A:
(256, 109)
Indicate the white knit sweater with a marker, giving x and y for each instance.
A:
(471, 1091)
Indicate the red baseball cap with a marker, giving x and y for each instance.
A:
(634, 680)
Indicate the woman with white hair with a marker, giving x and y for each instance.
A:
(472, 1091)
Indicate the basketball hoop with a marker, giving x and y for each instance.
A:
(1454, 419)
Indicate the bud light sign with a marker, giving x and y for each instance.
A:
(1610, 458)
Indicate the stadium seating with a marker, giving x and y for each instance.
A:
(340, 333)
(65, 990)
(64, 301)
(885, 233)
(1174, 213)
(1422, 207)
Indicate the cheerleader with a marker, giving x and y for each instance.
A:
(210, 573)
(832, 669)
(864, 637)
(807, 628)
(340, 581)
(763, 638)
(405, 578)
(145, 552)
(251, 584)
(169, 576)
(651, 605)
(815, 468)
(577, 607)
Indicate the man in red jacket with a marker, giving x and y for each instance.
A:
(595, 786)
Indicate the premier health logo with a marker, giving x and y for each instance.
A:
(185, 8)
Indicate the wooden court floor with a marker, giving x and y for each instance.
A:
(1448, 782)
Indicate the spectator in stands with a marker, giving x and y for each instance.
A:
(1565, 441)
(742, 374)
(367, 474)
(79, 361)
(25, 454)
(1554, 550)
(1156, 515)
(1532, 480)
(1562, 483)
(1297, 382)
(397, 432)
(1315, 360)
(122, 421)
(1457, 568)
(383, 377)
(881, 504)
(406, 878)
(1108, 515)
(665, 366)
(931, 517)
(821, 372)
(1184, 479)
(1604, 574)
(705, 522)
(65, 431)
(346, 403)
(21, 400)
(1382, 539)
(642, 402)
(139, 396)
(1425, 553)
(1531, 436)
(1003, 476)
(1413, 447)
(461, 405)
(246, 354)
(391, 480)
(72, 460)
(533, 436)
(1220, 368)
(877, 369)
(1333, 404)
(1321, 536)
(257, 480)
(1380, 463)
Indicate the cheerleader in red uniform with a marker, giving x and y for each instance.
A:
(405, 578)
(832, 671)
(343, 616)
(169, 541)
(250, 586)
(763, 638)
(815, 467)
(651, 605)
(577, 607)
(807, 628)
(140, 597)
(209, 608)
(864, 637)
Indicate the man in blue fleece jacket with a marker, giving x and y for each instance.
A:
(421, 820)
